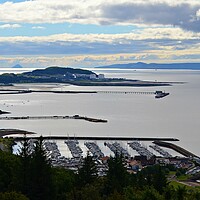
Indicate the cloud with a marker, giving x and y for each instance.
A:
(140, 41)
(182, 13)
(38, 27)
(125, 38)
(10, 26)
(155, 44)
(82, 61)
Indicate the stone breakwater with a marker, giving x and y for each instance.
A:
(89, 119)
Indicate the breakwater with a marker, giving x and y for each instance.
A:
(102, 138)
(90, 119)
(176, 148)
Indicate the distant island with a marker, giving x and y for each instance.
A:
(142, 65)
(80, 77)
(17, 66)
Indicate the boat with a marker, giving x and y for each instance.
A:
(160, 94)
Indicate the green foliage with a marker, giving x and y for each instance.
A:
(169, 193)
(41, 175)
(87, 174)
(153, 176)
(63, 182)
(9, 167)
(12, 196)
(151, 194)
(117, 176)
(7, 143)
(181, 193)
(116, 196)
(132, 193)
(88, 192)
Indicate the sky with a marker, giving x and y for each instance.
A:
(90, 33)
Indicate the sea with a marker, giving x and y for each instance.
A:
(133, 115)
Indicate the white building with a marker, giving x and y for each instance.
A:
(101, 76)
(93, 76)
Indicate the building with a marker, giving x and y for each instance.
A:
(101, 76)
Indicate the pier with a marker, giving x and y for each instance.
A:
(158, 94)
(123, 92)
(54, 117)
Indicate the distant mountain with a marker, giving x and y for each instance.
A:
(141, 65)
(17, 66)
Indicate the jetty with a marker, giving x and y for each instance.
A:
(158, 94)
(89, 119)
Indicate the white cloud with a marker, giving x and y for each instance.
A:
(101, 60)
(10, 26)
(38, 27)
(150, 44)
(182, 13)
(125, 38)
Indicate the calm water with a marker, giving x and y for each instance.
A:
(176, 115)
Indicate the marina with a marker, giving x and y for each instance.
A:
(143, 151)
(94, 149)
(116, 148)
(101, 151)
(160, 150)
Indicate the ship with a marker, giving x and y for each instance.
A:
(160, 94)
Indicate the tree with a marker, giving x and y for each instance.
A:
(87, 174)
(181, 193)
(153, 176)
(12, 196)
(169, 193)
(9, 168)
(25, 170)
(117, 175)
(63, 181)
(151, 194)
(159, 179)
(41, 174)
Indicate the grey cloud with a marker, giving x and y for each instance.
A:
(30, 48)
(70, 48)
(181, 15)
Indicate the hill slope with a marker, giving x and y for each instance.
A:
(141, 65)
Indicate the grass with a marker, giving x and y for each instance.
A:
(177, 184)
(183, 177)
